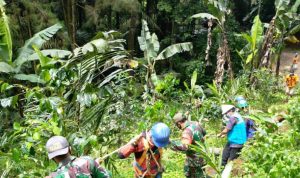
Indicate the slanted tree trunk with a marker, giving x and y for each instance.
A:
(209, 35)
(267, 45)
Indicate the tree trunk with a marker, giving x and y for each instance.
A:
(267, 45)
(223, 56)
(220, 65)
(207, 61)
(151, 11)
(279, 56)
(70, 19)
(132, 32)
(109, 17)
(117, 20)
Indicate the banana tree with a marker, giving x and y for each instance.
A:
(280, 25)
(5, 37)
(219, 10)
(28, 53)
(254, 41)
(149, 44)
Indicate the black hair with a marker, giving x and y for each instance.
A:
(62, 157)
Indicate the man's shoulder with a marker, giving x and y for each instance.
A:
(193, 125)
(62, 173)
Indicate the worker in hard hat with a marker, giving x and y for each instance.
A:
(147, 149)
(236, 133)
(243, 107)
(192, 132)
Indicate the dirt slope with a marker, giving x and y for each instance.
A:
(287, 59)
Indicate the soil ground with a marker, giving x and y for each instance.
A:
(286, 60)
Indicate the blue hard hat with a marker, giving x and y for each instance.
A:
(239, 98)
(242, 104)
(160, 133)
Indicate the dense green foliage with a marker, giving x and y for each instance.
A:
(64, 70)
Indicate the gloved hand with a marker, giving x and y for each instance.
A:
(135, 139)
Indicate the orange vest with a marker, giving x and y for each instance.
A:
(291, 81)
(147, 157)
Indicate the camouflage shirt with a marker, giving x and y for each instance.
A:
(192, 133)
(83, 167)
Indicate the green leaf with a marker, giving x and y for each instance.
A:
(100, 45)
(174, 49)
(5, 37)
(247, 37)
(281, 3)
(295, 29)
(38, 40)
(30, 77)
(53, 53)
(295, 6)
(45, 75)
(250, 57)
(16, 155)
(155, 42)
(256, 31)
(6, 68)
(194, 80)
(43, 59)
(204, 15)
(5, 86)
(5, 102)
(36, 136)
(17, 126)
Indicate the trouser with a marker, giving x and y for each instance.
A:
(193, 172)
(289, 91)
(229, 154)
(158, 175)
(193, 168)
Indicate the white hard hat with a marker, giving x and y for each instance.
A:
(225, 108)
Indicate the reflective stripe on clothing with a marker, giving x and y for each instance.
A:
(141, 151)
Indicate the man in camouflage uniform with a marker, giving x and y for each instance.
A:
(69, 166)
(192, 133)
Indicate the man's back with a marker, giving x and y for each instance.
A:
(83, 167)
(291, 80)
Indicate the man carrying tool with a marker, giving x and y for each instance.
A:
(69, 166)
(192, 133)
(147, 149)
(291, 80)
(236, 133)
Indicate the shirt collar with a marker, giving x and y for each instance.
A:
(66, 161)
(186, 124)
